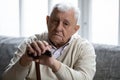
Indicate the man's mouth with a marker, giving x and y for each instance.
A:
(58, 35)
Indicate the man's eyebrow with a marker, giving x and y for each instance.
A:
(54, 17)
(68, 21)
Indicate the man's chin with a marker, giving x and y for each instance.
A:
(57, 38)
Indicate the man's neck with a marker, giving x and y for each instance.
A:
(59, 45)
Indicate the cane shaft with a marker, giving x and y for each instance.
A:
(38, 75)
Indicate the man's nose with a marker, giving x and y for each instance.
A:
(59, 26)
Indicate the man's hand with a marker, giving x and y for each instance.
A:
(36, 51)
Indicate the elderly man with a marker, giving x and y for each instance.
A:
(73, 58)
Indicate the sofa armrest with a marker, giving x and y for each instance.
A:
(8, 46)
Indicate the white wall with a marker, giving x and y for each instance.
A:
(33, 17)
(119, 25)
(9, 17)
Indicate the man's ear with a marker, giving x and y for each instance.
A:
(76, 28)
(47, 19)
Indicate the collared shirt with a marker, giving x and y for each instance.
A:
(58, 51)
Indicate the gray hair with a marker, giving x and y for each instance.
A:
(68, 6)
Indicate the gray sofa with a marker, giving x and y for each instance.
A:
(108, 58)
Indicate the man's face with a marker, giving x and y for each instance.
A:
(61, 26)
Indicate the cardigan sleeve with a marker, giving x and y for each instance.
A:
(84, 68)
(14, 70)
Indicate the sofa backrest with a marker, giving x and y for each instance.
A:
(108, 62)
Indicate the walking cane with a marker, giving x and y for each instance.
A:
(37, 65)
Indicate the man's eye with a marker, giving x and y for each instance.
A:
(55, 21)
(66, 24)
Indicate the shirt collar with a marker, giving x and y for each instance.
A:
(61, 46)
